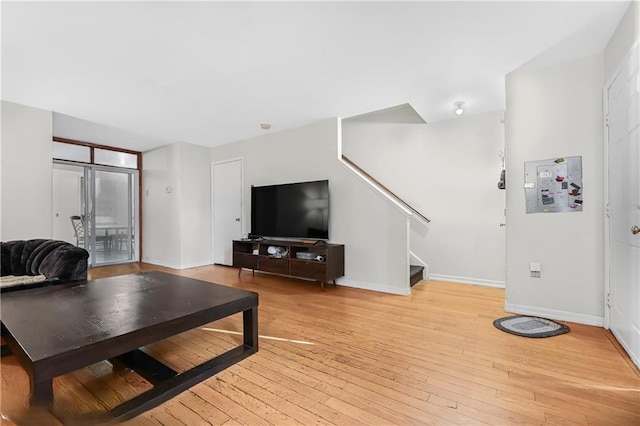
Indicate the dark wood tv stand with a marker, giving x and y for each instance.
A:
(328, 268)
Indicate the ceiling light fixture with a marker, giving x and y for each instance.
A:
(265, 126)
(459, 110)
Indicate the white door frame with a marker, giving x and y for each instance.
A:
(607, 251)
(605, 130)
(242, 230)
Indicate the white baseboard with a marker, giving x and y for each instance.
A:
(586, 319)
(374, 287)
(197, 264)
(172, 266)
(158, 263)
(467, 280)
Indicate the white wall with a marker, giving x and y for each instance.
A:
(65, 126)
(448, 171)
(25, 159)
(195, 205)
(160, 206)
(627, 32)
(556, 111)
(373, 231)
(176, 206)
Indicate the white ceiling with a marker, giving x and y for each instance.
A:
(210, 72)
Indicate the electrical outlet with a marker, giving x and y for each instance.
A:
(535, 274)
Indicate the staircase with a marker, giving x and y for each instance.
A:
(401, 114)
(415, 274)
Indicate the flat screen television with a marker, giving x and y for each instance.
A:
(293, 210)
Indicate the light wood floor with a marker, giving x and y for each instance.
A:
(349, 357)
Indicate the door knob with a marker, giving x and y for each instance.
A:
(237, 219)
(635, 229)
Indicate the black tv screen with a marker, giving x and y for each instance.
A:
(293, 210)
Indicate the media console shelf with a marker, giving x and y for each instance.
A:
(326, 265)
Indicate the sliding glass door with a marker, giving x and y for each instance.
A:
(100, 207)
(112, 215)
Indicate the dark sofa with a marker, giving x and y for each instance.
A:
(58, 261)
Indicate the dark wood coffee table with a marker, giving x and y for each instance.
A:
(58, 329)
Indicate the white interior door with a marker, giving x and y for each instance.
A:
(67, 200)
(226, 209)
(624, 206)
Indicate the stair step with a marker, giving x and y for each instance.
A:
(415, 274)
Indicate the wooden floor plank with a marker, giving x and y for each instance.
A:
(349, 356)
(203, 408)
(300, 394)
(245, 382)
(424, 413)
(123, 381)
(365, 414)
(228, 406)
(250, 402)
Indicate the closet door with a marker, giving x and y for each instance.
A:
(623, 101)
(226, 209)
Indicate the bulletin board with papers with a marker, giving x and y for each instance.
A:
(554, 185)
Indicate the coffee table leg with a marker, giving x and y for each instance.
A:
(41, 393)
(250, 327)
(4, 351)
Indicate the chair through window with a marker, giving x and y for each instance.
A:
(78, 229)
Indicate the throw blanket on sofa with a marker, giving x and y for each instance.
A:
(7, 281)
(57, 260)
